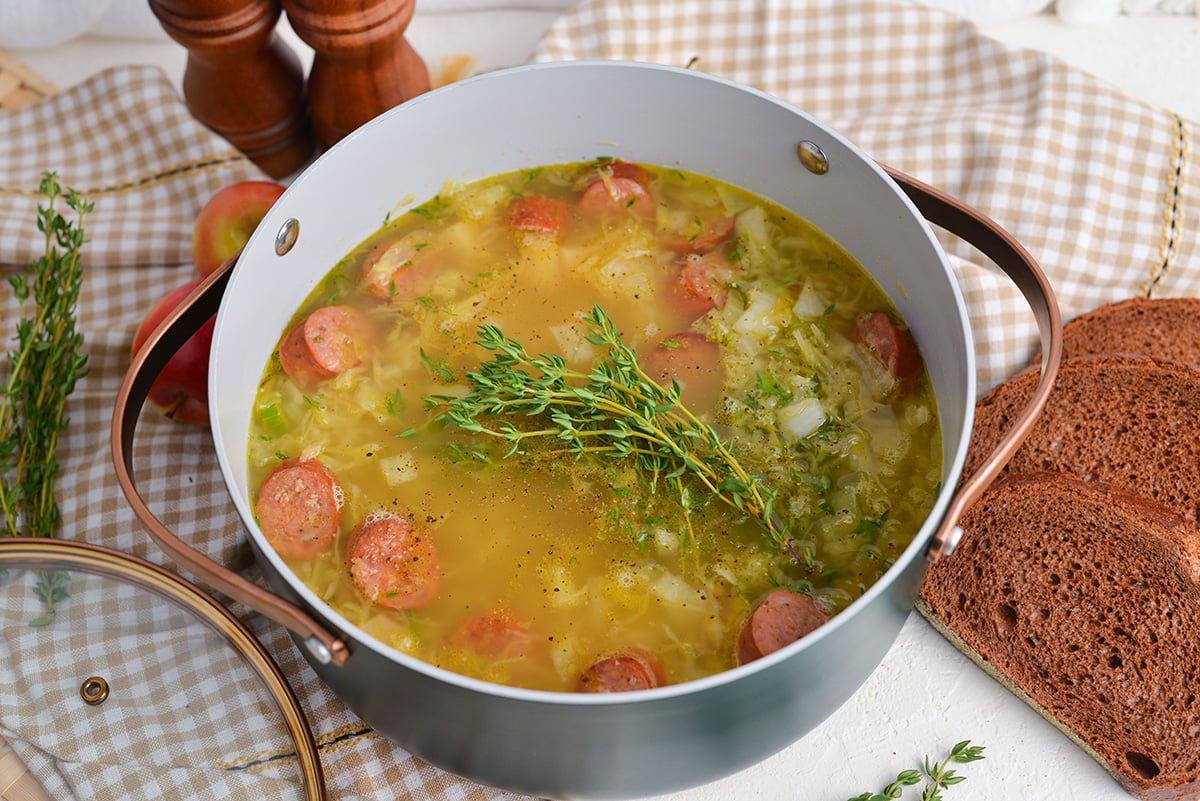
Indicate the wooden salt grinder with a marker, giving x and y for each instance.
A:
(241, 79)
(362, 64)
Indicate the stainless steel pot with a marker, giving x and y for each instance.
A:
(559, 744)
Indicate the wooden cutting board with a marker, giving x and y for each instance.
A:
(19, 85)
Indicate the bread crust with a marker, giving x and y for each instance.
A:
(1168, 328)
(1079, 597)
(1127, 421)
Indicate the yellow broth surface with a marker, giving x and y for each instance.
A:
(585, 555)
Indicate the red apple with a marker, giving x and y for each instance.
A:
(228, 219)
(181, 389)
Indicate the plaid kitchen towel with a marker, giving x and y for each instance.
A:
(124, 140)
(1097, 185)
(1093, 183)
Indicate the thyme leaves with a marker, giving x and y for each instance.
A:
(615, 411)
(44, 366)
(938, 775)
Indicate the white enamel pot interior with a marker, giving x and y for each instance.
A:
(596, 746)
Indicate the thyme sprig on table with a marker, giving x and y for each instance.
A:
(44, 366)
(616, 410)
(939, 775)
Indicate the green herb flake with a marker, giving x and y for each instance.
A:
(394, 403)
(735, 251)
(437, 368)
(272, 419)
(335, 285)
(871, 527)
(769, 387)
(434, 210)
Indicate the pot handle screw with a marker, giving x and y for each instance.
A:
(287, 235)
(319, 650)
(812, 157)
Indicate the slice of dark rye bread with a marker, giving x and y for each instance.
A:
(1166, 328)
(1079, 599)
(1126, 420)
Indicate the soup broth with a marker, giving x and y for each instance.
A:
(531, 545)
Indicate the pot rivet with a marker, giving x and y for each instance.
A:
(812, 157)
(941, 548)
(286, 238)
(319, 650)
(94, 690)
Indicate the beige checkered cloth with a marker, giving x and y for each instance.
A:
(1095, 184)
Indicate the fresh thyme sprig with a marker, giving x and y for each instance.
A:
(940, 775)
(44, 368)
(615, 410)
(51, 589)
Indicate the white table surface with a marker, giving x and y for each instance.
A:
(925, 696)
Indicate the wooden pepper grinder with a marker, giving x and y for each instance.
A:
(362, 64)
(241, 79)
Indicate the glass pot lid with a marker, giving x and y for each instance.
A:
(121, 680)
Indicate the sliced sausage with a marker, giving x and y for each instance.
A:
(327, 343)
(701, 284)
(298, 508)
(498, 635)
(693, 361)
(396, 269)
(702, 237)
(392, 563)
(623, 672)
(539, 215)
(782, 618)
(627, 169)
(614, 168)
(893, 345)
(611, 194)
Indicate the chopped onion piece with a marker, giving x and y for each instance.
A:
(673, 589)
(398, 469)
(801, 419)
(572, 343)
(809, 305)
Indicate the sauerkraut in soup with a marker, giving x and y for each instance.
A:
(594, 427)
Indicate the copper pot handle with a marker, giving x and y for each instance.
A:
(175, 329)
(1010, 256)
